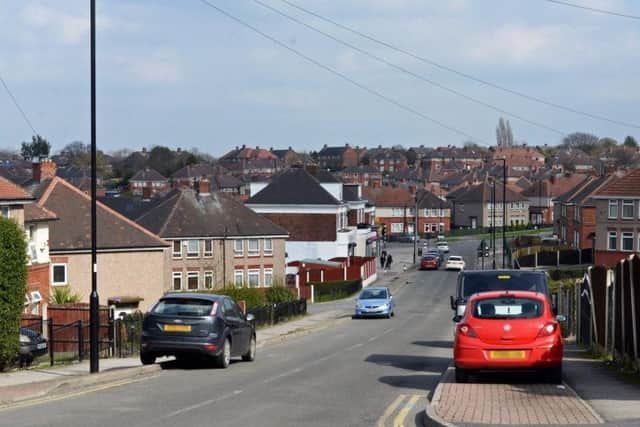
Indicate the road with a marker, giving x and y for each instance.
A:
(356, 373)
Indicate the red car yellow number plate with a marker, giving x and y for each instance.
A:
(508, 354)
(177, 328)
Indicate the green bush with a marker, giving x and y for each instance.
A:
(278, 294)
(13, 287)
(253, 297)
(64, 295)
(330, 291)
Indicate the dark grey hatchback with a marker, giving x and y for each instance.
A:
(191, 325)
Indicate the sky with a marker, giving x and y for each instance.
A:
(180, 74)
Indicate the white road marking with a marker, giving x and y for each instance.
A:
(201, 404)
(353, 347)
(373, 338)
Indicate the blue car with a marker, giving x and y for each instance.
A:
(375, 302)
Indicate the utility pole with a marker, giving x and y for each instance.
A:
(504, 210)
(415, 228)
(94, 315)
(493, 220)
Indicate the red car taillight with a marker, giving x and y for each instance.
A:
(548, 330)
(467, 331)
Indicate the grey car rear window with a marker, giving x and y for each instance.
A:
(473, 283)
(183, 307)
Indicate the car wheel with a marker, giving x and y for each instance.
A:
(250, 355)
(147, 358)
(554, 375)
(224, 358)
(462, 375)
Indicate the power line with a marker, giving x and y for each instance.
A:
(411, 73)
(341, 75)
(461, 73)
(593, 9)
(15, 102)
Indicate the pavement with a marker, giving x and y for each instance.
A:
(27, 384)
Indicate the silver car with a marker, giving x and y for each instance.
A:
(374, 302)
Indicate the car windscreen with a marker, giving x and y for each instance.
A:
(476, 282)
(507, 308)
(183, 307)
(429, 258)
(455, 258)
(373, 294)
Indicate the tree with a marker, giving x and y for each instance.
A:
(365, 160)
(38, 148)
(13, 287)
(504, 135)
(630, 142)
(582, 141)
(78, 154)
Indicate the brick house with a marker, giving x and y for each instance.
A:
(247, 160)
(148, 182)
(543, 193)
(338, 158)
(367, 176)
(132, 262)
(216, 241)
(313, 210)
(395, 208)
(473, 208)
(387, 160)
(434, 213)
(617, 204)
(190, 174)
(575, 213)
(469, 158)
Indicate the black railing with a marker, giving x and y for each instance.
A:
(67, 342)
(271, 314)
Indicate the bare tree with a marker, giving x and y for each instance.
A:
(504, 134)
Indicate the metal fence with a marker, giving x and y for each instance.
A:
(271, 314)
(71, 341)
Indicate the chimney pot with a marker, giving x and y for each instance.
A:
(44, 169)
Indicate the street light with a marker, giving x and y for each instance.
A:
(493, 220)
(504, 209)
(94, 302)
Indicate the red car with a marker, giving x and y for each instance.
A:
(429, 262)
(508, 330)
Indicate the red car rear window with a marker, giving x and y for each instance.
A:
(507, 308)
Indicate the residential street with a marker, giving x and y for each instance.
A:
(345, 375)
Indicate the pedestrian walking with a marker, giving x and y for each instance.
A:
(389, 261)
(383, 259)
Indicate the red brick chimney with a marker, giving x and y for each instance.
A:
(45, 169)
(203, 187)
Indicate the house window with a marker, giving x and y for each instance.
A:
(426, 228)
(268, 246)
(613, 209)
(627, 241)
(4, 210)
(576, 213)
(254, 278)
(397, 227)
(238, 278)
(564, 210)
(177, 249)
(59, 273)
(397, 212)
(238, 247)
(627, 209)
(193, 280)
(177, 280)
(254, 247)
(612, 241)
(268, 277)
(441, 227)
(208, 248)
(193, 248)
(208, 279)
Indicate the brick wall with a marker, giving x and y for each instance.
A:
(587, 226)
(353, 217)
(306, 227)
(38, 280)
(610, 258)
(350, 158)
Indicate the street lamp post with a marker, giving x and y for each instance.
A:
(504, 210)
(94, 302)
(493, 220)
(415, 228)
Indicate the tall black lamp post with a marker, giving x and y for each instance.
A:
(493, 220)
(504, 210)
(94, 319)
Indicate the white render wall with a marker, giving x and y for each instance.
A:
(297, 251)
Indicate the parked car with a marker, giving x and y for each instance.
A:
(438, 255)
(197, 325)
(429, 262)
(455, 262)
(407, 238)
(375, 302)
(443, 246)
(508, 330)
(32, 345)
(475, 281)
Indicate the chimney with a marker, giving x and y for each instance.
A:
(179, 150)
(146, 193)
(203, 187)
(346, 144)
(244, 146)
(312, 169)
(144, 149)
(45, 169)
(257, 147)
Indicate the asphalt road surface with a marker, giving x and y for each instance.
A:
(356, 373)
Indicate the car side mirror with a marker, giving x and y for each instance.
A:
(457, 318)
(561, 318)
(250, 317)
(452, 301)
(390, 296)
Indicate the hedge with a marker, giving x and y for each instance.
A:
(13, 287)
(255, 297)
(330, 291)
(575, 273)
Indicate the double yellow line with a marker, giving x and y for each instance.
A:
(406, 403)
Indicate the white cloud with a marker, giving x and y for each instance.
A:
(67, 28)
(157, 67)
